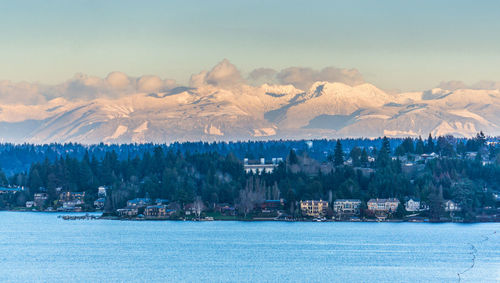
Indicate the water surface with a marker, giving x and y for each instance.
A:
(42, 247)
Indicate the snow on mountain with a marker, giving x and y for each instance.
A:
(210, 113)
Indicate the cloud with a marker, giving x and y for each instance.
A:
(454, 85)
(82, 87)
(224, 74)
(263, 75)
(118, 80)
(303, 78)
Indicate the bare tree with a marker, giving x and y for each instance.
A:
(253, 194)
(198, 206)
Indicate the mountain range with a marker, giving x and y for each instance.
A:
(242, 112)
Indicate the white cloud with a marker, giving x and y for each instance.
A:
(454, 85)
(224, 74)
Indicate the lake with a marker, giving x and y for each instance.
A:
(41, 247)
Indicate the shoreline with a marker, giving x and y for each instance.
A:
(81, 215)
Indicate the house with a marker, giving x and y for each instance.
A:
(99, 203)
(160, 201)
(40, 198)
(225, 209)
(194, 208)
(6, 190)
(77, 197)
(155, 211)
(347, 206)
(101, 192)
(30, 204)
(413, 204)
(272, 205)
(383, 205)
(451, 206)
(261, 167)
(314, 208)
(139, 202)
(127, 212)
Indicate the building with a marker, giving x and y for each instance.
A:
(155, 211)
(347, 206)
(99, 203)
(225, 209)
(160, 201)
(5, 190)
(261, 167)
(30, 204)
(412, 205)
(383, 205)
(272, 205)
(40, 198)
(139, 202)
(314, 208)
(127, 212)
(451, 206)
(77, 197)
(101, 192)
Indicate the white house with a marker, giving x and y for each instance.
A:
(451, 206)
(412, 205)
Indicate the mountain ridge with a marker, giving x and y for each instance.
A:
(243, 112)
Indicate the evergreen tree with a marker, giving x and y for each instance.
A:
(338, 154)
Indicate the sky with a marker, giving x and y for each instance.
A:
(404, 45)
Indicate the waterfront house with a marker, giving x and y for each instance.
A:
(99, 203)
(314, 208)
(413, 205)
(272, 205)
(30, 204)
(138, 202)
(127, 212)
(451, 206)
(40, 198)
(225, 209)
(383, 205)
(155, 211)
(346, 207)
(76, 197)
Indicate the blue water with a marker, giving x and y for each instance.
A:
(42, 247)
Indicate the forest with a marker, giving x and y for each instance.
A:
(214, 173)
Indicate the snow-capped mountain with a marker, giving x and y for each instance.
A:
(242, 112)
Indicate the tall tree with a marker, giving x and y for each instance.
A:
(338, 154)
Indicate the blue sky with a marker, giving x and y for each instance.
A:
(407, 45)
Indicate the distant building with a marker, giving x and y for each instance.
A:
(101, 192)
(155, 211)
(99, 203)
(314, 208)
(40, 199)
(127, 212)
(13, 190)
(383, 205)
(77, 197)
(272, 205)
(30, 204)
(346, 206)
(139, 202)
(412, 205)
(451, 206)
(225, 209)
(261, 166)
(160, 201)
